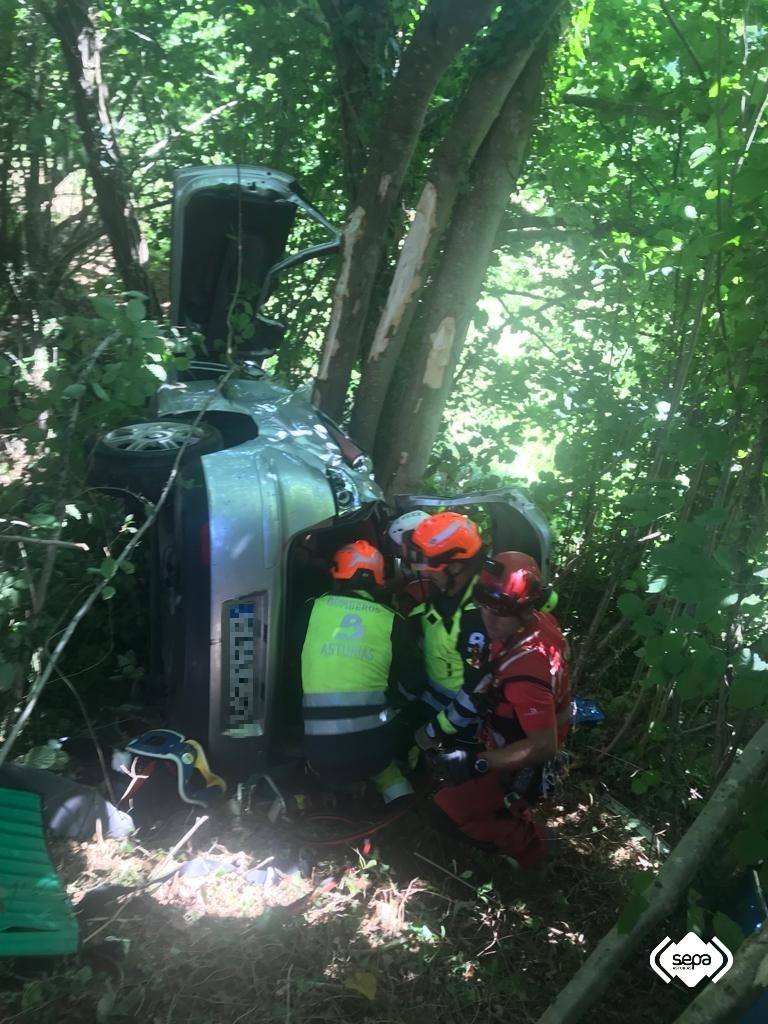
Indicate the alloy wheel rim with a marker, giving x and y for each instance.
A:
(153, 437)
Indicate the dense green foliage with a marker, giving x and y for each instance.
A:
(617, 364)
(623, 353)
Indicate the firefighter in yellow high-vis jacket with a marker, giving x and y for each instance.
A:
(355, 650)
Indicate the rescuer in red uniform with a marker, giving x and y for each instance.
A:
(521, 711)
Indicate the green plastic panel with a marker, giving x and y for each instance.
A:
(36, 918)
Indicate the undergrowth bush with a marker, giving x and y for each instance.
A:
(61, 537)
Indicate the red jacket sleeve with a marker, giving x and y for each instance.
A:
(532, 704)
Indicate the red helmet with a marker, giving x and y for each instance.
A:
(359, 557)
(508, 583)
(443, 538)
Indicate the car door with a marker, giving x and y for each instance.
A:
(514, 522)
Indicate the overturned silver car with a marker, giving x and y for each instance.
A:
(269, 488)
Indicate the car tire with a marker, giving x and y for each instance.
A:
(138, 457)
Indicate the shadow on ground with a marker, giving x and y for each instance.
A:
(415, 926)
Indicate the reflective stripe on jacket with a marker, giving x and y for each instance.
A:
(345, 665)
(442, 658)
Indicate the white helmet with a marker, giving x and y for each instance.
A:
(405, 524)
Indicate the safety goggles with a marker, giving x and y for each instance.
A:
(503, 605)
(426, 563)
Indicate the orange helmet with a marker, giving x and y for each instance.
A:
(359, 557)
(509, 582)
(443, 538)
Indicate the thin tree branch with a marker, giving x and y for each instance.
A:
(49, 543)
(613, 106)
(684, 40)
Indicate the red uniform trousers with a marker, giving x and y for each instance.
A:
(477, 807)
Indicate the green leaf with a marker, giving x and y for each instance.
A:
(749, 688)
(45, 758)
(99, 391)
(726, 558)
(701, 155)
(631, 913)
(84, 975)
(646, 627)
(104, 307)
(363, 983)
(645, 781)
(726, 929)
(696, 918)
(712, 516)
(44, 520)
(703, 672)
(33, 994)
(108, 568)
(158, 371)
(74, 391)
(750, 184)
(654, 649)
(631, 606)
(134, 310)
(749, 846)
(128, 567)
(108, 593)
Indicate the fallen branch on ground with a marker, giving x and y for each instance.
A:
(597, 974)
(737, 991)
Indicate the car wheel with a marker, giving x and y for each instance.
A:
(138, 457)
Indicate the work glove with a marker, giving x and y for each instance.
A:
(429, 736)
(456, 766)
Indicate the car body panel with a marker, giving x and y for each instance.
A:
(260, 494)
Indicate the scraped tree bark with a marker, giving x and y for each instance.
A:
(80, 40)
(417, 396)
(500, 61)
(442, 30)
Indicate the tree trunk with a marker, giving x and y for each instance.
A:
(413, 412)
(737, 991)
(442, 30)
(597, 974)
(81, 44)
(361, 34)
(500, 61)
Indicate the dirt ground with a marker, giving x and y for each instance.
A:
(390, 930)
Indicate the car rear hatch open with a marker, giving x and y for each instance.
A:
(230, 229)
